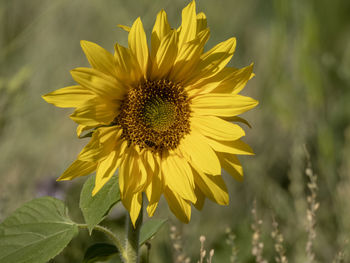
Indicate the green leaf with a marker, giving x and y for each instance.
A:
(36, 232)
(99, 252)
(149, 229)
(94, 208)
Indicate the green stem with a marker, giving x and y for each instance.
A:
(110, 234)
(132, 240)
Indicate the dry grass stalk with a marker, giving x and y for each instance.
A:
(211, 254)
(257, 245)
(279, 248)
(313, 205)
(203, 252)
(230, 240)
(340, 257)
(179, 255)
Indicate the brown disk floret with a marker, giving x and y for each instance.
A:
(155, 115)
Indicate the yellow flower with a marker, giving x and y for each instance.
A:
(162, 117)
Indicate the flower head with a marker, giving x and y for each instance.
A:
(162, 117)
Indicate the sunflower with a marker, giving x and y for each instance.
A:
(165, 118)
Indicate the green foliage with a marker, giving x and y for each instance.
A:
(41, 228)
(95, 208)
(99, 252)
(150, 228)
(36, 232)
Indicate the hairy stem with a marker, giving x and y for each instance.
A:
(132, 239)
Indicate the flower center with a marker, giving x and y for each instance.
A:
(159, 114)
(155, 115)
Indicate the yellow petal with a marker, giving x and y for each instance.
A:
(242, 77)
(155, 187)
(200, 198)
(178, 176)
(125, 28)
(233, 147)
(161, 28)
(78, 168)
(151, 208)
(224, 105)
(130, 178)
(92, 151)
(81, 128)
(238, 119)
(201, 22)
(180, 207)
(153, 192)
(99, 83)
(124, 155)
(214, 60)
(133, 204)
(165, 57)
(141, 176)
(102, 142)
(228, 80)
(138, 44)
(105, 170)
(95, 112)
(192, 49)
(236, 81)
(124, 173)
(69, 97)
(152, 161)
(206, 85)
(232, 165)
(212, 186)
(217, 57)
(98, 57)
(217, 128)
(189, 24)
(127, 67)
(139, 170)
(197, 150)
(188, 58)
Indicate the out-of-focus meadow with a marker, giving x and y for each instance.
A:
(301, 51)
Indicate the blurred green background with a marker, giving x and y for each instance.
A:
(301, 51)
